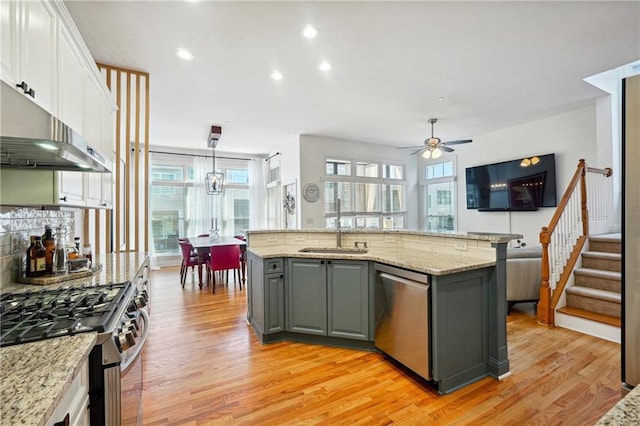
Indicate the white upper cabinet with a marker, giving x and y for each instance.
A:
(71, 189)
(93, 115)
(71, 82)
(8, 18)
(33, 51)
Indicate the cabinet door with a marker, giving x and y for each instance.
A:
(274, 299)
(94, 189)
(93, 112)
(108, 125)
(37, 50)
(8, 28)
(348, 299)
(71, 78)
(307, 291)
(71, 188)
(107, 190)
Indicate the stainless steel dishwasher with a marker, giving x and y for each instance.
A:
(402, 317)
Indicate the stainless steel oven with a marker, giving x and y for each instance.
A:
(117, 312)
(115, 363)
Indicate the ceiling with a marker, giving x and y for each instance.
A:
(476, 66)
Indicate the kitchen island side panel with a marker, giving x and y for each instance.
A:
(460, 328)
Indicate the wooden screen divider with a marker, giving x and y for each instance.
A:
(122, 228)
(563, 239)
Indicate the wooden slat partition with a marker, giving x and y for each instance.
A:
(563, 239)
(130, 229)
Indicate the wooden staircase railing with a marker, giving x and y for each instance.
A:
(586, 201)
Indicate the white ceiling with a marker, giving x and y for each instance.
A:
(496, 64)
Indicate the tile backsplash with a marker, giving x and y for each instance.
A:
(17, 224)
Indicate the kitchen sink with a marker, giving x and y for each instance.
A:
(334, 250)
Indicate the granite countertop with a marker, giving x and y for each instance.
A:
(427, 262)
(116, 268)
(625, 412)
(35, 376)
(481, 236)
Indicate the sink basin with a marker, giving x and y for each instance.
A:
(334, 250)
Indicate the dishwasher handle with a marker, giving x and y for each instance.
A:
(397, 279)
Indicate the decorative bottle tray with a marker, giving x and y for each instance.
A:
(54, 279)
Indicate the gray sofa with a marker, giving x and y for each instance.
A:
(523, 275)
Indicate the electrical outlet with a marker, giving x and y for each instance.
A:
(461, 245)
(272, 238)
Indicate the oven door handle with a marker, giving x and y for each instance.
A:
(145, 317)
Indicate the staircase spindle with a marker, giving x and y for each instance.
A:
(584, 208)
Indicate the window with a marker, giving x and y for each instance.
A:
(274, 198)
(180, 206)
(439, 194)
(372, 194)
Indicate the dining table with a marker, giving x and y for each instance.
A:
(202, 245)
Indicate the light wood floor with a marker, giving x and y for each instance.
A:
(204, 365)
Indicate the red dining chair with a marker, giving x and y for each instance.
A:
(189, 258)
(223, 258)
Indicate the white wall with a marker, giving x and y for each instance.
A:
(570, 136)
(314, 150)
(290, 172)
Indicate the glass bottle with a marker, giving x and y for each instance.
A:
(38, 262)
(28, 266)
(60, 256)
(86, 252)
(49, 244)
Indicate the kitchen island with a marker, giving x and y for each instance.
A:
(36, 377)
(302, 288)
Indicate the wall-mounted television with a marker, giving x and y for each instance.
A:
(518, 185)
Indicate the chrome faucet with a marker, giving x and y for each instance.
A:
(338, 226)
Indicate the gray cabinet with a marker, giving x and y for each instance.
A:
(348, 299)
(328, 298)
(265, 289)
(307, 291)
(460, 329)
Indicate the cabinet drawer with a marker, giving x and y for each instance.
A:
(273, 265)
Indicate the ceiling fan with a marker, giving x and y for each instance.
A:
(433, 146)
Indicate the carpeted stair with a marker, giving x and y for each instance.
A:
(596, 293)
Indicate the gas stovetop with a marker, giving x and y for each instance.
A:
(32, 316)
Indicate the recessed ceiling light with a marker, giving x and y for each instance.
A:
(325, 66)
(276, 75)
(309, 31)
(184, 54)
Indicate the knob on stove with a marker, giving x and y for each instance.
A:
(128, 326)
(124, 340)
(141, 301)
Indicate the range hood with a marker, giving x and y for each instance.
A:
(32, 138)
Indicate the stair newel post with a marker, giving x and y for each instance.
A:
(583, 195)
(544, 313)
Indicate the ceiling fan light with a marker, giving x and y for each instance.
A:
(426, 154)
(436, 153)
